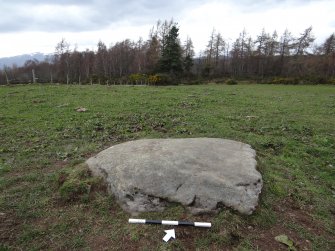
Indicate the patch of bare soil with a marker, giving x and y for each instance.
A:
(288, 212)
(100, 243)
(265, 239)
(9, 227)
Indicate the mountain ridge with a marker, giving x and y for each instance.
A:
(19, 60)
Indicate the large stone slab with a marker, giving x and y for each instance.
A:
(203, 174)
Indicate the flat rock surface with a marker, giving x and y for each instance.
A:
(203, 174)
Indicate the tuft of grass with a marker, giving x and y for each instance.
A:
(4, 168)
(77, 183)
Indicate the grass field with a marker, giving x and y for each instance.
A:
(49, 201)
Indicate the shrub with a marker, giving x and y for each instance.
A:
(192, 82)
(137, 79)
(231, 82)
(285, 81)
(310, 80)
(161, 79)
(219, 81)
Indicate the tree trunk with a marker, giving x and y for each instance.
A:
(7, 80)
(51, 78)
(34, 77)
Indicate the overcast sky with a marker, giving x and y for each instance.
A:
(28, 26)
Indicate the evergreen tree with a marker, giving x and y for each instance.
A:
(171, 60)
(188, 55)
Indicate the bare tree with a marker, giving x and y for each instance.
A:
(139, 56)
(88, 65)
(153, 54)
(101, 62)
(49, 60)
(215, 49)
(188, 54)
(328, 50)
(262, 44)
(304, 42)
(5, 69)
(62, 55)
(210, 48)
(286, 45)
(242, 50)
(301, 46)
(76, 59)
(328, 47)
(219, 48)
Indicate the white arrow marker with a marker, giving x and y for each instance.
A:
(169, 234)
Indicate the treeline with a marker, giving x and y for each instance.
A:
(164, 59)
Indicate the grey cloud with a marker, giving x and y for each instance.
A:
(53, 2)
(252, 6)
(93, 14)
(259, 5)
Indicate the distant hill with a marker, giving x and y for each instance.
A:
(21, 59)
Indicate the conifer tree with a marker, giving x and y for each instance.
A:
(171, 59)
(188, 55)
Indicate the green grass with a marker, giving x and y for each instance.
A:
(49, 200)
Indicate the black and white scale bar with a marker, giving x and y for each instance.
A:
(170, 222)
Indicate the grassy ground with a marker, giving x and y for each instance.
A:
(48, 201)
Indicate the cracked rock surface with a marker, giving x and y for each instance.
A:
(203, 174)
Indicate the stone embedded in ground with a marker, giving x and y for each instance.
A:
(203, 174)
